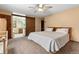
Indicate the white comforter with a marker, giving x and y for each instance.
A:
(51, 41)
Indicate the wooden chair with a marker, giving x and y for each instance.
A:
(3, 42)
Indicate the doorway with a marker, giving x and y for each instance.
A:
(18, 26)
(42, 25)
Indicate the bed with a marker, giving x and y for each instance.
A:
(51, 41)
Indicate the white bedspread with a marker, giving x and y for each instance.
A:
(51, 41)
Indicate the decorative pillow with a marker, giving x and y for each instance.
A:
(65, 30)
(49, 29)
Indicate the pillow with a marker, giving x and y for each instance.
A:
(49, 29)
(65, 30)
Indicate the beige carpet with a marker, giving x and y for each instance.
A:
(70, 48)
(25, 46)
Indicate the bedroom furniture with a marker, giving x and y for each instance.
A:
(51, 41)
(3, 42)
(69, 30)
(30, 25)
(2, 45)
(49, 29)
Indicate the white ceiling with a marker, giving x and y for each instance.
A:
(24, 9)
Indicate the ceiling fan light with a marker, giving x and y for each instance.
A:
(40, 5)
(40, 9)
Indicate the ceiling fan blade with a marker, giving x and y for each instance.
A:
(35, 11)
(50, 6)
(31, 7)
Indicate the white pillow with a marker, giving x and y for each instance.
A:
(62, 30)
(49, 29)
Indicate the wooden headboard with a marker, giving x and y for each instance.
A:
(69, 30)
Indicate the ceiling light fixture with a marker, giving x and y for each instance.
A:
(40, 7)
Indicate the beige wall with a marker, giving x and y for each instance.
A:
(37, 24)
(5, 12)
(69, 18)
(3, 26)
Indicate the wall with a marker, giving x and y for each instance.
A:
(5, 12)
(30, 25)
(69, 18)
(37, 24)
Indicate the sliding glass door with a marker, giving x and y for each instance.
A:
(18, 26)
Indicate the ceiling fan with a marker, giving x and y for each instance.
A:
(41, 7)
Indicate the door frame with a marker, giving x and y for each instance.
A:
(12, 20)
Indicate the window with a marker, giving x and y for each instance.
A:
(19, 26)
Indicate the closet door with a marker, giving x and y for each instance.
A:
(3, 24)
(8, 20)
(30, 25)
